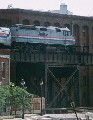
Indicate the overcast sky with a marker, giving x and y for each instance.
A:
(78, 7)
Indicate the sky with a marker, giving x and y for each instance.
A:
(78, 7)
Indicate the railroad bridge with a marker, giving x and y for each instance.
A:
(52, 57)
(59, 71)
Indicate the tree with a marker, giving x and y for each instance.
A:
(15, 97)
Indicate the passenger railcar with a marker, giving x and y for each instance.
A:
(5, 36)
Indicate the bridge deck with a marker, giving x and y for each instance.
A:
(52, 57)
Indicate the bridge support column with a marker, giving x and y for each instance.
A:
(46, 67)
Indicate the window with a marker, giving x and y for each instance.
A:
(43, 29)
(58, 30)
(64, 33)
(36, 23)
(26, 22)
(28, 27)
(57, 24)
(3, 69)
(46, 24)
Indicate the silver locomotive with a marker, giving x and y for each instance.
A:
(36, 37)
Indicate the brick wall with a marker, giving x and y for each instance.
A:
(4, 66)
(18, 15)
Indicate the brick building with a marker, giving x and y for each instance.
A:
(80, 26)
(4, 68)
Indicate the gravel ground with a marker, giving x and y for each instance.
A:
(68, 116)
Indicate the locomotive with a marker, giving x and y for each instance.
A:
(38, 37)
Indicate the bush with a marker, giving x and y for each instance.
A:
(18, 116)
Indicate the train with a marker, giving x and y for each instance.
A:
(5, 36)
(36, 37)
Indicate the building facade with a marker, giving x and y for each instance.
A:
(80, 26)
(4, 68)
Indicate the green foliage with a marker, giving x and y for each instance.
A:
(15, 97)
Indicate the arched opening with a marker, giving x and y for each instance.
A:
(76, 33)
(92, 35)
(26, 22)
(5, 23)
(85, 38)
(57, 24)
(67, 25)
(36, 23)
(85, 34)
(46, 24)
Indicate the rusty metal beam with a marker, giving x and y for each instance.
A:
(62, 87)
(52, 57)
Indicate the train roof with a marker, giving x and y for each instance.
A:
(40, 27)
(21, 25)
(53, 28)
(65, 29)
(56, 28)
(4, 29)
